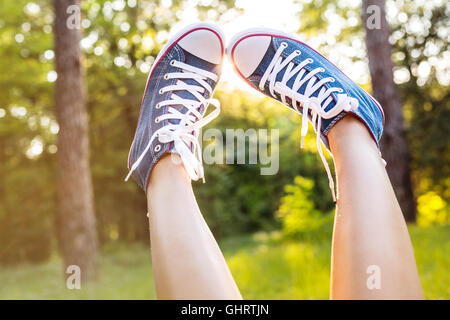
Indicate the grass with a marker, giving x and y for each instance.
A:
(126, 274)
(263, 269)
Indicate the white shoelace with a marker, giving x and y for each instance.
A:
(185, 133)
(315, 105)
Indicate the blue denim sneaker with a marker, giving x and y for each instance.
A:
(293, 73)
(178, 91)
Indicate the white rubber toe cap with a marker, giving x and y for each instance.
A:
(205, 43)
(247, 52)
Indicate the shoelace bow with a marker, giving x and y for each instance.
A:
(315, 105)
(184, 133)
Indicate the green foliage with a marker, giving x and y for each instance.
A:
(299, 214)
(419, 34)
(236, 197)
(119, 47)
(26, 121)
(420, 54)
(433, 210)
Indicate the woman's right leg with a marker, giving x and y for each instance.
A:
(370, 231)
(187, 262)
(372, 255)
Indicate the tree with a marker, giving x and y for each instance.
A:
(76, 218)
(394, 145)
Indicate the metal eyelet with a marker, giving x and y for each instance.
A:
(161, 91)
(158, 106)
(298, 52)
(340, 90)
(331, 79)
(157, 148)
(310, 60)
(157, 120)
(284, 44)
(172, 62)
(166, 77)
(322, 69)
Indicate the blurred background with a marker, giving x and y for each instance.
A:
(275, 230)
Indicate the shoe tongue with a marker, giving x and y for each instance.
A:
(302, 88)
(194, 61)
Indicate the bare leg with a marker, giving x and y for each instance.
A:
(369, 227)
(187, 262)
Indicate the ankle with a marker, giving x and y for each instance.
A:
(168, 170)
(349, 131)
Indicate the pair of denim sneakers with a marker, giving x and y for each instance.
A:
(182, 79)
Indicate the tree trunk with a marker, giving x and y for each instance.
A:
(394, 145)
(76, 218)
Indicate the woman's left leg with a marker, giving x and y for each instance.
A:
(187, 262)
